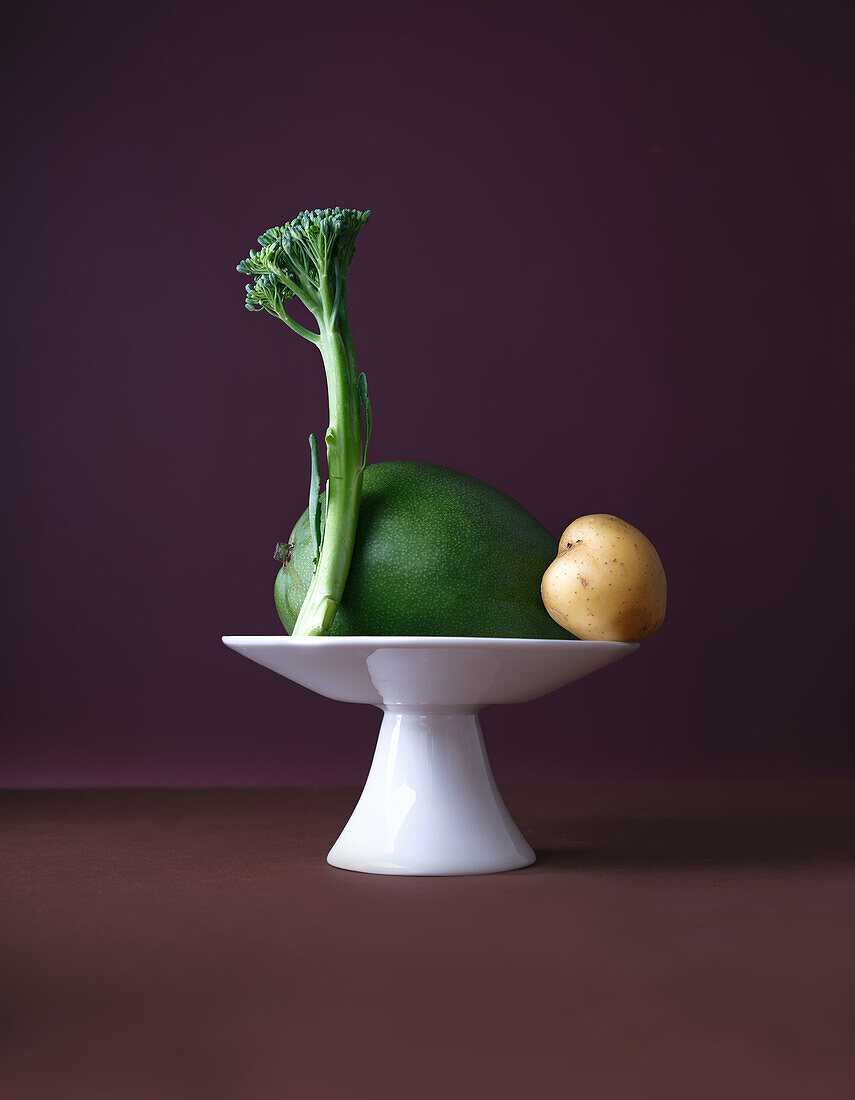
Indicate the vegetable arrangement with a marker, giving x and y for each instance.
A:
(427, 550)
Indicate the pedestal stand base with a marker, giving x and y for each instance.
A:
(430, 805)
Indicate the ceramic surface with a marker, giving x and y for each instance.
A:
(430, 805)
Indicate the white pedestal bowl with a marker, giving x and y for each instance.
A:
(430, 805)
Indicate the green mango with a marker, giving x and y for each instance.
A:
(437, 553)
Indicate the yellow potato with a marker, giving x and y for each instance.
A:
(607, 582)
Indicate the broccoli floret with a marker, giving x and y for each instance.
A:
(309, 258)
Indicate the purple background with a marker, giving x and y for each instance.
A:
(605, 272)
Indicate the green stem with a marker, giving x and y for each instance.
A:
(307, 334)
(344, 460)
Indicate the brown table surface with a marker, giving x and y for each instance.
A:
(672, 941)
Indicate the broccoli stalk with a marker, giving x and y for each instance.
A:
(308, 258)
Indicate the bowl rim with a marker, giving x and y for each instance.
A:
(401, 640)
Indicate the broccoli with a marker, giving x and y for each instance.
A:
(308, 258)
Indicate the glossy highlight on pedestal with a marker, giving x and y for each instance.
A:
(430, 805)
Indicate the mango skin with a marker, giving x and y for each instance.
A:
(607, 582)
(438, 553)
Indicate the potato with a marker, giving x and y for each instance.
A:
(607, 582)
